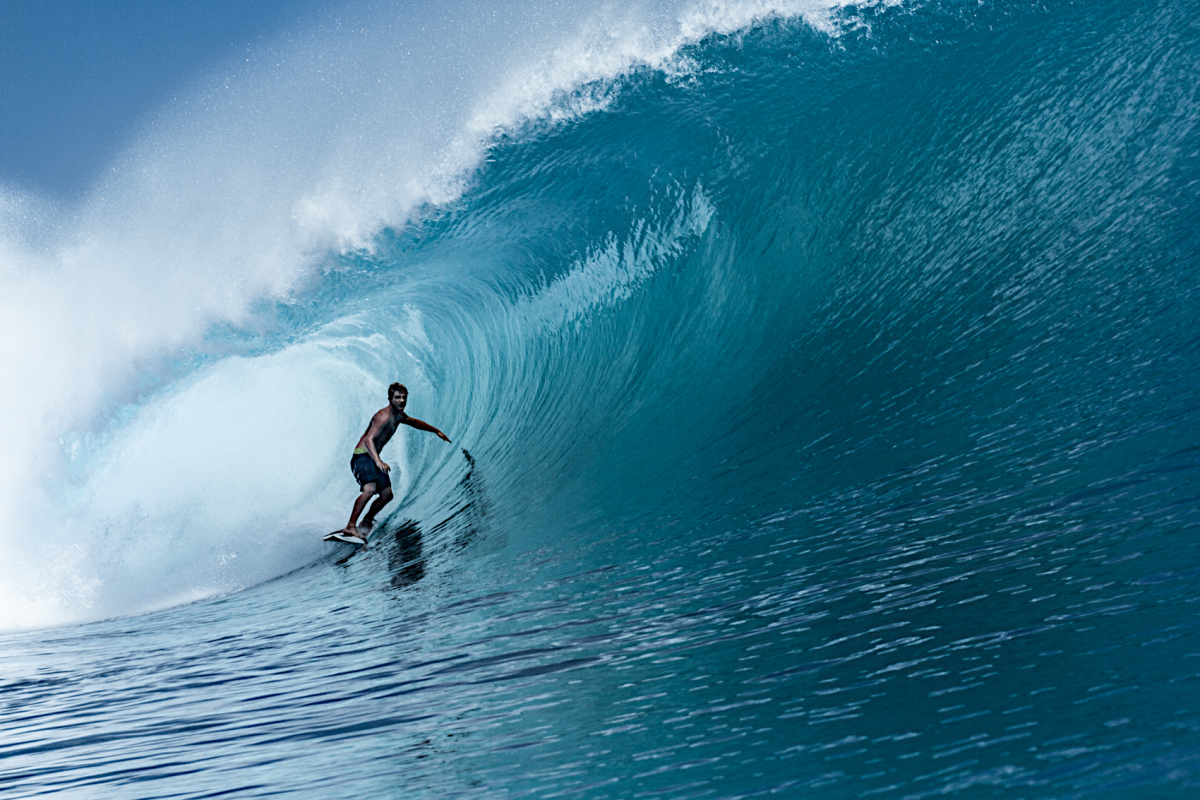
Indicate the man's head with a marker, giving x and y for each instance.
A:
(397, 396)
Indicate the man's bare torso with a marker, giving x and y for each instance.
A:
(385, 422)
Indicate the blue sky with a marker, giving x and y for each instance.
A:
(77, 78)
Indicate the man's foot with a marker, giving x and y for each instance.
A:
(365, 527)
(359, 532)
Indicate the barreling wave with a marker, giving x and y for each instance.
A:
(129, 322)
(739, 262)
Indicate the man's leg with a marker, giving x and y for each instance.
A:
(384, 498)
(367, 491)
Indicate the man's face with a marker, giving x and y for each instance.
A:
(399, 400)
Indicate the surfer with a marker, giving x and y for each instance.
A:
(369, 469)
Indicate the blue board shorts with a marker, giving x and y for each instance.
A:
(365, 471)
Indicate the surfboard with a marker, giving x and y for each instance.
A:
(342, 536)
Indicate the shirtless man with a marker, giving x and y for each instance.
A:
(369, 469)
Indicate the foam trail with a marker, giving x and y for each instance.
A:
(239, 192)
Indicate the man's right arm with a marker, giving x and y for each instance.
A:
(377, 422)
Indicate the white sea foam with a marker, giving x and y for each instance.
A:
(232, 194)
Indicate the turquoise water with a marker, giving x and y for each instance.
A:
(825, 422)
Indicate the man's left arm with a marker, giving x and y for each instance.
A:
(421, 425)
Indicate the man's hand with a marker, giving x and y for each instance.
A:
(383, 465)
(443, 436)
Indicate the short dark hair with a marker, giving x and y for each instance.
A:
(396, 387)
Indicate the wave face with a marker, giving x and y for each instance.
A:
(823, 388)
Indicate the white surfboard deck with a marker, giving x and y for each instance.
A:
(342, 536)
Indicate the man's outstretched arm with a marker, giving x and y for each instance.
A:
(421, 425)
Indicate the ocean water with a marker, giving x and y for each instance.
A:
(824, 383)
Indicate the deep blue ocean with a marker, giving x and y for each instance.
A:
(825, 396)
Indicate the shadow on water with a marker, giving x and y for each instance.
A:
(404, 543)
(405, 563)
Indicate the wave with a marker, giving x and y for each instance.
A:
(234, 198)
(664, 265)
